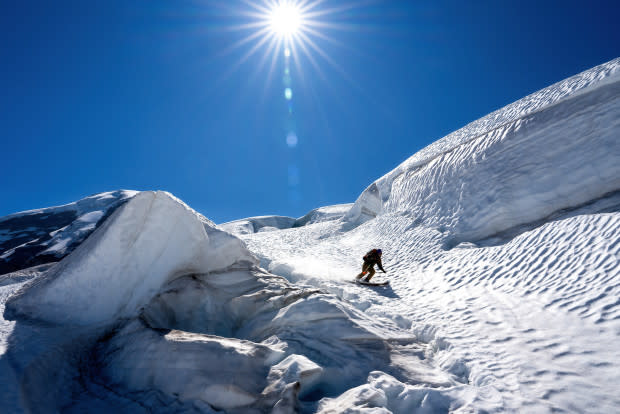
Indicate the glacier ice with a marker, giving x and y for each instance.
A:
(145, 243)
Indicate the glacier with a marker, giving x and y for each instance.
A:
(501, 242)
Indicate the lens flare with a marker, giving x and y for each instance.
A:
(291, 140)
(292, 32)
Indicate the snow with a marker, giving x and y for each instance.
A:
(322, 214)
(147, 242)
(255, 224)
(159, 298)
(271, 223)
(502, 247)
(523, 170)
(47, 235)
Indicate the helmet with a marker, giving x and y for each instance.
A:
(379, 251)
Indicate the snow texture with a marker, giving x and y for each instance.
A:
(502, 246)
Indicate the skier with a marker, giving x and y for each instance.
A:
(371, 259)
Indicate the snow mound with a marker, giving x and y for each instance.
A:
(270, 223)
(147, 242)
(554, 150)
(256, 224)
(385, 394)
(46, 235)
(259, 307)
(322, 214)
(246, 340)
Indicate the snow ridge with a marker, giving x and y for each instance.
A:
(476, 183)
(147, 242)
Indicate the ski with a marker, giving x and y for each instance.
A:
(361, 282)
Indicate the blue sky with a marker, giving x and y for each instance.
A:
(152, 94)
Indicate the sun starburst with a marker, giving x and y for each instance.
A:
(295, 28)
(286, 19)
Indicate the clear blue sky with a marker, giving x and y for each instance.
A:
(151, 94)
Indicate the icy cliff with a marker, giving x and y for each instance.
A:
(554, 150)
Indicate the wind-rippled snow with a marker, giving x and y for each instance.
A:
(502, 244)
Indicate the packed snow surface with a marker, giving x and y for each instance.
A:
(501, 243)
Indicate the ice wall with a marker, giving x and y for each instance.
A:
(553, 150)
(147, 242)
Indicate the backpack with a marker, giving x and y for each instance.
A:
(371, 255)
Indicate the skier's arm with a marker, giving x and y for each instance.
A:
(380, 266)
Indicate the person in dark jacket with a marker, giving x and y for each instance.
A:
(371, 259)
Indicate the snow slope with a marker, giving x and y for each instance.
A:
(160, 310)
(501, 243)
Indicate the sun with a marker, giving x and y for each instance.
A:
(297, 30)
(285, 19)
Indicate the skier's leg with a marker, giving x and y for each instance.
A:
(364, 270)
(371, 273)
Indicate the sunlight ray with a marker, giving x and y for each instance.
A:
(350, 27)
(298, 65)
(246, 26)
(254, 49)
(266, 56)
(262, 9)
(324, 37)
(245, 40)
(329, 60)
(312, 60)
(274, 59)
(309, 5)
(245, 57)
(251, 14)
